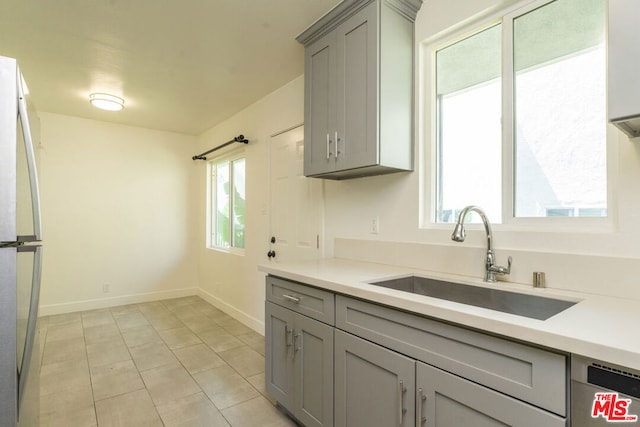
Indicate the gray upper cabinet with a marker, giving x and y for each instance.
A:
(359, 89)
(320, 89)
(622, 55)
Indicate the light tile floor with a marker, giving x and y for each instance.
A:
(178, 362)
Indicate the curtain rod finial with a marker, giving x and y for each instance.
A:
(241, 138)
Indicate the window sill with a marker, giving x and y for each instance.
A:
(230, 251)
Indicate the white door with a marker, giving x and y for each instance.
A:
(296, 201)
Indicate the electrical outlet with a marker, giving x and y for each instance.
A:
(375, 225)
(106, 287)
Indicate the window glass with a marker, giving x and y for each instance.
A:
(468, 100)
(222, 205)
(238, 203)
(535, 138)
(560, 120)
(226, 212)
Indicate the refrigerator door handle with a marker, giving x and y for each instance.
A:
(31, 158)
(33, 316)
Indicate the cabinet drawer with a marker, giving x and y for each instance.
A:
(528, 373)
(312, 302)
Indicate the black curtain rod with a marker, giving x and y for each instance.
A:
(239, 138)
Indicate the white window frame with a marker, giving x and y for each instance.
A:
(427, 133)
(230, 157)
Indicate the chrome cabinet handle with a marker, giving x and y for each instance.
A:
(328, 146)
(291, 298)
(288, 333)
(295, 340)
(421, 399)
(401, 409)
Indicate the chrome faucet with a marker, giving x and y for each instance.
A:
(458, 235)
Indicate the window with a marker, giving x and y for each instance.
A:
(226, 207)
(518, 113)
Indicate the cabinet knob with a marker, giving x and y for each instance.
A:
(271, 254)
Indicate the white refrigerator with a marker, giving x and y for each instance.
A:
(20, 254)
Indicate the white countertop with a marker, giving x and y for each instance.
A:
(604, 328)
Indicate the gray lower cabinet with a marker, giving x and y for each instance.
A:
(527, 373)
(377, 387)
(374, 387)
(299, 365)
(446, 400)
(380, 367)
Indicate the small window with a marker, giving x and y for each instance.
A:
(226, 207)
(520, 115)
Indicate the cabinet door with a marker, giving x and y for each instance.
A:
(319, 110)
(313, 366)
(279, 354)
(451, 401)
(622, 72)
(357, 58)
(374, 387)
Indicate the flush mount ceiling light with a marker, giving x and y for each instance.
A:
(106, 102)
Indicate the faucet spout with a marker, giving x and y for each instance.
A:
(459, 235)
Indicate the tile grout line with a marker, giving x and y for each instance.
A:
(226, 364)
(179, 309)
(260, 394)
(86, 353)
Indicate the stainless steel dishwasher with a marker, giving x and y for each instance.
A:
(603, 394)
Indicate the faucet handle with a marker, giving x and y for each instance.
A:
(508, 270)
(496, 269)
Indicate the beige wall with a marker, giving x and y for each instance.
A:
(118, 208)
(230, 281)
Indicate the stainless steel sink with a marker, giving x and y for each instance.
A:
(532, 306)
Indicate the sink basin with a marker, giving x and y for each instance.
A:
(531, 306)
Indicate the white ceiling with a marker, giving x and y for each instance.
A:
(181, 65)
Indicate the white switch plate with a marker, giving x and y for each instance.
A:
(375, 225)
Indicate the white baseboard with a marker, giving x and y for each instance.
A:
(70, 307)
(255, 324)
